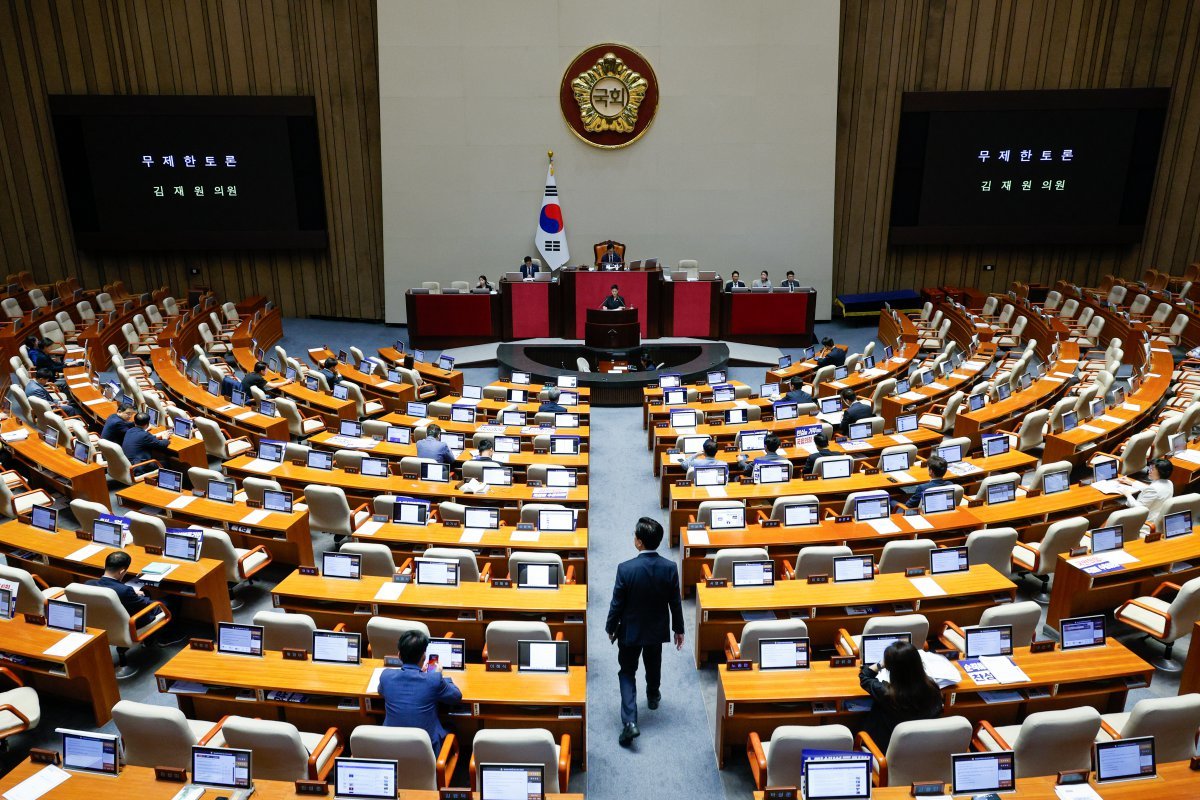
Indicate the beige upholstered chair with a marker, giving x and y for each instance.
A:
(992, 546)
(375, 559)
(915, 625)
(411, 749)
(104, 611)
(383, 634)
(776, 762)
(500, 638)
(899, 555)
(524, 746)
(1024, 618)
(281, 751)
(329, 512)
(818, 559)
(32, 591)
(282, 630)
(1165, 619)
(1047, 742)
(20, 709)
(919, 750)
(1041, 558)
(161, 736)
(1172, 721)
(755, 631)
(725, 558)
(241, 564)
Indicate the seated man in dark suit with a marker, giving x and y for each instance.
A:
(937, 470)
(433, 447)
(486, 449)
(412, 694)
(734, 282)
(118, 424)
(140, 445)
(770, 455)
(797, 393)
(329, 370)
(39, 354)
(856, 409)
(116, 567)
(834, 356)
(256, 379)
(40, 386)
(551, 403)
(528, 268)
(790, 282)
(611, 258)
(822, 444)
(707, 455)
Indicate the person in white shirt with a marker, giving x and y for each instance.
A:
(1155, 496)
(763, 282)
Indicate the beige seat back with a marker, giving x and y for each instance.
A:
(375, 559)
(818, 559)
(920, 750)
(780, 504)
(518, 557)
(285, 630)
(530, 512)
(86, 513)
(147, 530)
(117, 464)
(704, 512)
(1060, 537)
(1172, 721)
(219, 547)
(519, 746)
(468, 566)
(1054, 741)
(279, 754)
(1184, 610)
(255, 487)
(30, 598)
(898, 556)
(201, 477)
(409, 747)
(154, 735)
(501, 637)
(992, 546)
(915, 625)
(383, 634)
(328, 511)
(788, 742)
(725, 558)
(755, 631)
(104, 611)
(1024, 618)
(1131, 521)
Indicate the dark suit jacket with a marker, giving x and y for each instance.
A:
(331, 377)
(731, 285)
(915, 500)
(798, 396)
(812, 459)
(551, 407)
(610, 258)
(115, 429)
(35, 389)
(613, 303)
(854, 413)
(411, 698)
(835, 357)
(528, 270)
(140, 445)
(130, 599)
(646, 592)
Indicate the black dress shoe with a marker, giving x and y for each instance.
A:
(654, 701)
(627, 734)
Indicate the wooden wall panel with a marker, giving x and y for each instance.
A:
(324, 48)
(892, 46)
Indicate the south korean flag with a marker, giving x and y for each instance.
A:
(551, 233)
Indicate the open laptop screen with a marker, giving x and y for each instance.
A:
(1125, 759)
(976, 773)
(221, 767)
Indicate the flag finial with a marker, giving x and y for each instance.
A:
(550, 154)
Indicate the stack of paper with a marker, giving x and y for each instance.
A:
(1004, 669)
(884, 525)
(255, 516)
(918, 522)
(260, 465)
(37, 784)
(85, 552)
(155, 571)
(390, 591)
(373, 683)
(928, 587)
(544, 493)
(67, 645)
(524, 536)
(183, 501)
(368, 528)
(717, 491)
(698, 538)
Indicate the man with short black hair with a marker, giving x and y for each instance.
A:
(433, 447)
(40, 386)
(550, 404)
(790, 282)
(835, 356)
(528, 268)
(411, 694)
(646, 607)
(770, 455)
(821, 442)
(329, 370)
(116, 568)
(734, 282)
(706, 457)
(39, 354)
(797, 394)
(141, 446)
(486, 449)
(255, 379)
(856, 409)
(611, 258)
(118, 424)
(937, 471)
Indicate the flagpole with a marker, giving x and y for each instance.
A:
(550, 155)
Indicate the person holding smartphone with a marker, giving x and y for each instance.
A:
(412, 693)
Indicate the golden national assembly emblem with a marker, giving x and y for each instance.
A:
(609, 95)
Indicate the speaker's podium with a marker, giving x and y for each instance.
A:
(612, 330)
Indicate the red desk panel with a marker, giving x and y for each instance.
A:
(435, 319)
(777, 315)
(527, 308)
(690, 308)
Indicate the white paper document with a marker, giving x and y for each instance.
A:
(256, 515)
(928, 587)
(183, 501)
(524, 536)
(884, 525)
(1091, 429)
(1004, 669)
(260, 465)
(373, 683)
(1190, 456)
(918, 522)
(85, 552)
(716, 491)
(900, 438)
(37, 784)
(390, 591)
(68, 644)
(1077, 791)
(698, 538)
(368, 528)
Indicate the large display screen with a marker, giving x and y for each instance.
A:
(1026, 167)
(156, 172)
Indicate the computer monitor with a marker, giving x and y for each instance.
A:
(341, 565)
(449, 653)
(457, 442)
(953, 453)
(319, 459)
(1106, 539)
(336, 647)
(1070, 421)
(481, 517)
(80, 451)
(1057, 481)
(566, 420)
(935, 501)
(947, 560)
(846, 778)
(236, 639)
(1077, 632)
(99, 753)
(183, 544)
(44, 518)
(63, 615)
(542, 655)
(108, 532)
(988, 640)
(170, 480)
(567, 382)
(798, 514)
(375, 467)
(509, 781)
(836, 468)
(50, 436)
(724, 519)
(872, 507)
(517, 395)
(277, 501)
(237, 397)
(1176, 524)
(906, 423)
(736, 416)
(1105, 469)
(464, 414)
(979, 773)
(271, 450)
(507, 444)
(976, 401)
(1003, 391)
(561, 477)
(902, 386)
(752, 440)
(470, 392)
(873, 645)
(783, 653)
(841, 373)
(497, 476)
(1002, 492)
(895, 462)
(536, 575)
(753, 573)
(772, 473)
(513, 419)
(669, 380)
(723, 394)
(397, 434)
(445, 362)
(417, 409)
(522, 378)
(684, 418)
(785, 361)
(214, 387)
(221, 491)
(439, 472)
(713, 475)
(7, 604)
(222, 768)
(786, 411)
(768, 389)
(1176, 442)
(365, 778)
(996, 445)
(1125, 759)
(410, 512)
(831, 405)
(349, 427)
(556, 520)
(847, 569)
(435, 572)
(266, 407)
(716, 376)
(861, 430)
(182, 427)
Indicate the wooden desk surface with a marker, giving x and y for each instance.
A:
(450, 378)
(218, 408)
(56, 466)
(529, 431)
(86, 675)
(395, 452)
(436, 534)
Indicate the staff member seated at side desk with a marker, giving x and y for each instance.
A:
(907, 693)
(614, 301)
(764, 281)
(937, 470)
(412, 693)
(856, 409)
(484, 283)
(835, 356)
(433, 447)
(821, 441)
(734, 282)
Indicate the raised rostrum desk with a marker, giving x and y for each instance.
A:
(612, 330)
(825, 608)
(286, 536)
(1076, 592)
(342, 695)
(490, 546)
(465, 609)
(768, 317)
(761, 701)
(86, 675)
(200, 585)
(139, 782)
(53, 467)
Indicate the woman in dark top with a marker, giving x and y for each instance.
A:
(908, 694)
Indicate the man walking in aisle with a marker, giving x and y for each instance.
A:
(646, 606)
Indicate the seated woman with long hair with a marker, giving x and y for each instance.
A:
(907, 694)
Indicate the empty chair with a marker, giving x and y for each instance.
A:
(915, 625)
(780, 504)
(20, 709)
(374, 558)
(725, 558)
(468, 564)
(12, 308)
(281, 751)
(524, 746)
(992, 546)
(216, 444)
(161, 736)
(364, 408)
(1024, 618)
(755, 631)
(146, 530)
(530, 511)
(1131, 521)
(104, 611)
(518, 557)
(411, 749)
(1172, 721)
(328, 511)
(1040, 558)
(1031, 434)
(201, 477)
(348, 459)
(212, 344)
(299, 425)
(704, 512)
(941, 417)
(898, 556)
(1033, 481)
(919, 750)
(383, 634)
(1163, 617)
(32, 591)
(1135, 455)
(501, 637)
(282, 630)
(776, 762)
(854, 497)
(17, 498)
(241, 564)
(434, 287)
(256, 488)
(1047, 742)
(818, 559)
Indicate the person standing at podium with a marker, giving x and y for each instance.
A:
(611, 258)
(614, 301)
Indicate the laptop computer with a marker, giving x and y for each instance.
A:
(543, 655)
(988, 640)
(1125, 760)
(240, 640)
(783, 653)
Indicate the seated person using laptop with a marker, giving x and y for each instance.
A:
(413, 693)
(770, 455)
(821, 442)
(707, 455)
(797, 394)
(433, 447)
(856, 409)
(937, 471)
(906, 694)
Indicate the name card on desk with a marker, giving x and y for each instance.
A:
(499, 666)
(836, 662)
(201, 644)
(781, 793)
(928, 788)
(294, 654)
(771, 523)
(716, 583)
(1046, 646)
(501, 583)
(307, 570)
(170, 774)
(914, 572)
(739, 665)
(818, 578)
(454, 793)
(40, 756)
(312, 787)
(34, 619)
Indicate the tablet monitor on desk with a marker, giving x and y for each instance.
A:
(556, 520)
(435, 572)
(271, 450)
(736, 416)
(446, 363)
(1177, 524)
(1106, 539)
(81, 452)
(481, 517)
(517, 395)
(1055, 482)
(753, 573)
(1078, 632)
(507, 444)
(274, 500)
(336, 647)
(410, 512)
(1105, 469)
(222, 768)
(238, 397)
(8, 606)
(99, 753)
(953, 453)
(418, 355)
(938, 500)
(497, 476)
(567, 382)
(1002, 492)
(995, 445)
(1125, 760)
(716, 475)
(170, 480)
(183, 544)
(506, 781)
(63, 615)
(724, 519)
(669, 380)
(522, 378)
(948, 560)
(349, 427)
(836, 468)
(540, 655)
(182, 427)
(290, 374)
(977, 401)
(873, 507)
(902, 386)
(830, 405)
(365, 778)
(853, 568)
(988, 640)
(690, 445)
(566, 420)
(715, 377)
(449, 653)
(319, 459)
(536, 575)
(214, 387)
(416, 409)
(1070, 421)
(860, 431)
(341, 565)
(772, 473)
(464, 414)
(375, 467)
(768, 390)
(723, 394)
(752, 440)
(906, 423)
(239, 640)
(513, 419)
(895, 462)
(470, 392)
(561, 477)
(684, 418)
(873, 645)
(438, 473)
(110, 533)
(837, 778)
(785, 361)
(457, 442)
(786, 411)
(564, 445)
(783, 653)
(841, 373)
(798, 514)
(44, 518)
(266, 408)
(1003, 391)
(978, 773)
